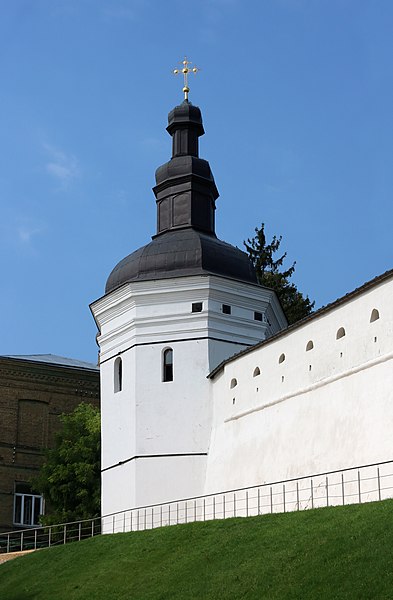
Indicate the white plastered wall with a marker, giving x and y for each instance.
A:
(156, 434)
(327, 408)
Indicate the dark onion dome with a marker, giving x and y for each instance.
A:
(180, 253)
(186, 194)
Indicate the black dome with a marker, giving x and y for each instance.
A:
(182, 252)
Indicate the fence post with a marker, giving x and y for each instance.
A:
(327, 491)
(65, 534)
(113, 524)
(144, 521)
(283, 495)
(360, 497)
(177, 513)
(234, 504)
(8, 542)
(259, 501)
(342, 487)
(169, 514)
(152, 517)
(49, 536)
(312, 495)
(223, 506)
(161, 515)
(271, 499)
(185, 511)
(379, 484)
(247, 503)
(92, 528)
(204, 509)
(195, 505)
(124, 521)
(137, 520)
(297, 496)
(80, 531)
(21, 541)
(214, 507)
(35, 539)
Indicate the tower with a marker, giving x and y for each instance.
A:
(172, 311)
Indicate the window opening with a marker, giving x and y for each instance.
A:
(233, 383)
(168, 365)
(374, 315)
(257, 316)
(226, 309)
(281, 359)
(257, 371)
(196, 307)
(118, 375)
(27, 506)
(310, 345)
(340, 333)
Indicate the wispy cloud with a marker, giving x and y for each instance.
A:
(26, 233)
(63, 167)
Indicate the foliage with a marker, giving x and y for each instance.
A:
(339, 553)
(270, 273)
(70, 476)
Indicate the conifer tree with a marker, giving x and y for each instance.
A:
(270, 273)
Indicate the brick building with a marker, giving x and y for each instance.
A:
(34, 391)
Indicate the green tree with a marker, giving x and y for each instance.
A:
(70, 476)
(270, 273)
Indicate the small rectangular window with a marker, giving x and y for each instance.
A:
(197, 307)
(226, 309)
(27, 507)
(257, 316)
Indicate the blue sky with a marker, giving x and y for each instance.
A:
(297, 100)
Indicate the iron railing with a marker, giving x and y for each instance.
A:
(367, 483)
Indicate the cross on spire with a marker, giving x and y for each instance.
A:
(185, 71)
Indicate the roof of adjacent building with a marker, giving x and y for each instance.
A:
(53, 359)
(324, 309)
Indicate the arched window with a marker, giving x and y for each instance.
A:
(374, 315)
(167, 365)
(257, 371)
(233, 383)
(340, 333)
(118, 375)
(310, 345)
(281, 359)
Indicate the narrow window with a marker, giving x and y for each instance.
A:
(257, 371)
(281, 359)
(310, 345)
(226, 309)
(374, 315)
(196, 307)
(118, 375)
(167, 374)
(340, 333)
(233, 383)
(257, 316)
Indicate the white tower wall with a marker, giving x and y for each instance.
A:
(155, 433)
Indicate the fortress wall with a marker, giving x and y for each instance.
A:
(309, 410)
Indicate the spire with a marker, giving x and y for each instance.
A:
(185, 189)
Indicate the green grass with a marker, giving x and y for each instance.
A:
(327, 553)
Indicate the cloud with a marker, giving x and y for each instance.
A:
(25, 233)
(61, 166)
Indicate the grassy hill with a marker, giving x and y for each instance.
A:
(326, 553)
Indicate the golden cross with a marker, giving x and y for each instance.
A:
(185, 71)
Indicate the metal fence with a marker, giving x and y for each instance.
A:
(350, 486)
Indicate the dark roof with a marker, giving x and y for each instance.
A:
(182, 252)
(53, 359)
(324, 309)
